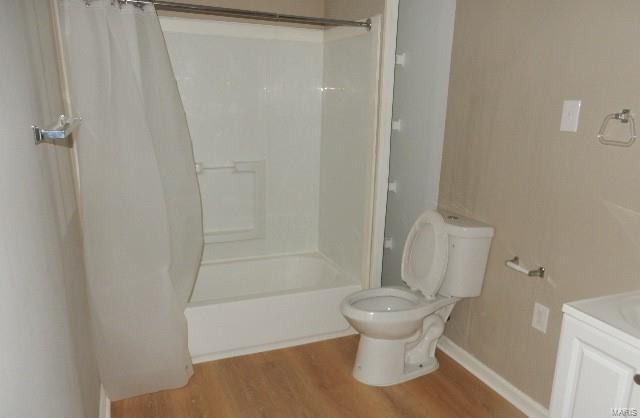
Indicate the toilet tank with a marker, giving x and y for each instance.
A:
(469, 243)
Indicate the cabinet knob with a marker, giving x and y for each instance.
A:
(636, 378)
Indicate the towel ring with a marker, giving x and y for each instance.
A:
(625, 117)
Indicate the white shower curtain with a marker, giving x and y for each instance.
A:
(139, 198)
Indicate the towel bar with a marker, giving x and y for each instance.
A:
(63, 128)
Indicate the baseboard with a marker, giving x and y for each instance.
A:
(518, 398)
(105, 404)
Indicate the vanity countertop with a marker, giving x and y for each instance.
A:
(617, 315)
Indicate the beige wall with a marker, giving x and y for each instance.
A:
(561, 200)
(353, 9)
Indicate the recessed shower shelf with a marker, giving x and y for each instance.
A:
(240, 233)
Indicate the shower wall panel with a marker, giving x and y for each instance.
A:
(349, 115)
(253, 98)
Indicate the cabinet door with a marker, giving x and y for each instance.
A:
(594, 374)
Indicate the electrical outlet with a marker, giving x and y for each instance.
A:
(570, 115)
(540, 317)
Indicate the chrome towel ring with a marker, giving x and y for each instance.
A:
(625, 117)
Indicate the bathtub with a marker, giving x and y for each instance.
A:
(257, 304)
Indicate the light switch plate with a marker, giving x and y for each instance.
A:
(540, 317)
(570, 115)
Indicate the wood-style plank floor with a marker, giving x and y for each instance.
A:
(315, 381)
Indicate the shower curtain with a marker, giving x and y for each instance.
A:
(139, 198)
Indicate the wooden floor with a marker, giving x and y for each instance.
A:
(315, 381)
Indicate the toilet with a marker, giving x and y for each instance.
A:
(444, 259)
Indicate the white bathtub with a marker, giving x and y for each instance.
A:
(257, 304)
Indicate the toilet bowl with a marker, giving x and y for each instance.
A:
(444, 260)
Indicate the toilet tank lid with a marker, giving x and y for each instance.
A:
(464, 227)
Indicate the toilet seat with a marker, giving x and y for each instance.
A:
(384, 303)
(363, 306)
(428, 235)
(403, 319)
(392, 305)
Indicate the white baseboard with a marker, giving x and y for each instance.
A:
(105, 404)
(518, 398)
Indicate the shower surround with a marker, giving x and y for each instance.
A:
(283, 122)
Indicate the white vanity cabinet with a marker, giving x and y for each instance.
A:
(598, 366)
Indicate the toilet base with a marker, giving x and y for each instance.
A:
(383, 362)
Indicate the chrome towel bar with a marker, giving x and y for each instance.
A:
(63, 128)
(514, 264)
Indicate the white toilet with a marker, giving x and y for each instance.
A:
(444, 259)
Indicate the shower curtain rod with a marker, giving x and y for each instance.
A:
(246, 14)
